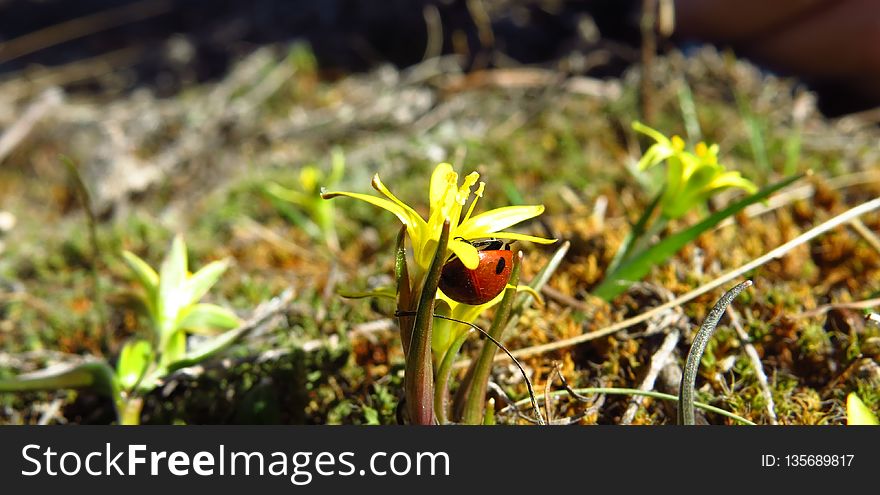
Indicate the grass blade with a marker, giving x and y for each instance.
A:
(692, 364)
(642, 262)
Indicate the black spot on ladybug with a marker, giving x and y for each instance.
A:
(499, 267)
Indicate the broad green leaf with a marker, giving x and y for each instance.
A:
(635, 232)
(206, 318)
(147, 277)
(133, 362)
(210, 348)
(857, 413)
(202, 281)
(640, 264)
(172, 286)
(93, 375)
(175, 347)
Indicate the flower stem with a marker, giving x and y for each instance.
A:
(475, 400)
(130, 410)
(441, 386)
(404, 294)
(419, 378)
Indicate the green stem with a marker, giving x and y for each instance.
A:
(686, 414)
(419, 377)
(130, 410)
(475, 400)
(634, 236)
(404, 294)
(441, 386)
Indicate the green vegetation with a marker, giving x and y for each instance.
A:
(238, 164)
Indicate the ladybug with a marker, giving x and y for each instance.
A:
(483, 283)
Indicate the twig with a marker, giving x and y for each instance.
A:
(372, 327)
(658, 361)
(564, 299)
(867, 303)
(866, 233)
(16, 85)
(81, 26)
(752, 353)
(18, 131)
(50, 412)
(578, 394)
(547, 387)
(595, 404)
(510, 403)
(727, 277)
(792, 194)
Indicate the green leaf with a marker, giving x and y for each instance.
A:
(291, 196)
(635, 232)
(640, 264)
(210, 348)
(172, 286)
(385, 292)
(93, 375)
(202, 281)
(146, 277)
(145, 274)
(133, 362)
(203, 318)
(404, 292)
(419, 375)
(175, 347)
(857, 413)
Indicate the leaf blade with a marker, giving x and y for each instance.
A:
(641, 263)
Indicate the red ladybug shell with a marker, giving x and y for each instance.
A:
(483, 283)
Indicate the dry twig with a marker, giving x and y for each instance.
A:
(752, 353)
(658, 361)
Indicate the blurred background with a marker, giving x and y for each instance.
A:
(167, 44)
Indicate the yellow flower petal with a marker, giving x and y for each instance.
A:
(468, 254)
(415, 218)
(492, 221)
(652, 133)
(441, 178)
(514, 236)
(732, 179)
(677, 143)
(402, 214)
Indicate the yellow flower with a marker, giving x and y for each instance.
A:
(691, 178)
(319, 219)
(447, 200)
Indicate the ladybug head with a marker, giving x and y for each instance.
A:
(491, 244)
